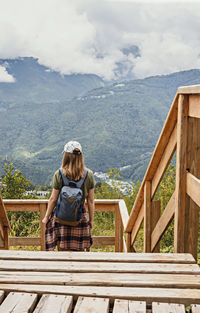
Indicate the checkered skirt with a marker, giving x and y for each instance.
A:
(76, 238)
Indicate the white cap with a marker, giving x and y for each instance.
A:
(71, 146)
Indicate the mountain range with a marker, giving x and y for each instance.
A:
(117, 124)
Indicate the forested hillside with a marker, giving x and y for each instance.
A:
(117, 125)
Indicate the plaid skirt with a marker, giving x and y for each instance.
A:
(68, 237)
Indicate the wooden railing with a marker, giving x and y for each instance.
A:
(181, 133)
(118, 207)
(4, 226)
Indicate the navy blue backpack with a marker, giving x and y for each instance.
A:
(69, 209)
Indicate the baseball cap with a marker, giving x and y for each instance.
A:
(71, 146)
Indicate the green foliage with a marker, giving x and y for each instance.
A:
(23, 224)
(15, 184)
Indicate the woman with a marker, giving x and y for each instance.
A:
(66, 237)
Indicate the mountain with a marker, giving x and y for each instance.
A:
(117, 125)
(35, 83)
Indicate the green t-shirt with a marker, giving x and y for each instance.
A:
(88, 184)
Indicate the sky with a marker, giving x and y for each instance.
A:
(109, 38)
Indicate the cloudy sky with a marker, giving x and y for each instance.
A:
(104, 37)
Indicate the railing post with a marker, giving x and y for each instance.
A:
(155, 215)
(42, 226)
(181, 161)
(147, 216)
(193, 161)
(118, 231)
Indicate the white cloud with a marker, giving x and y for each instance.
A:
(89, 36)
(4, 76)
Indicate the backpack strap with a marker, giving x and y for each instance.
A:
(66, 181)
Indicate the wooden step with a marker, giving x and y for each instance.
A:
(91, 267)
(99, 257)
(166, 295)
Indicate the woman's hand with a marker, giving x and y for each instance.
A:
(90, 224)
(45, 220)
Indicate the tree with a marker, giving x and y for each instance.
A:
(15, 184)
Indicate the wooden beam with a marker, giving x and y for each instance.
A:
(163, 222)
(137, 225)
(155, 160)
(123, 212)
(43, 209)
(147, 216)
(181, 164)
(175, 295)
(192, 179)
(194, 106)
(3, 215)
(36, 241)
(155, 215)
(193, 188)
(194, 89)
(164, 162)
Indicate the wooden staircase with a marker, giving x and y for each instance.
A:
(181, 133)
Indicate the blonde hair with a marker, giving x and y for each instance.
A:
(73, 165)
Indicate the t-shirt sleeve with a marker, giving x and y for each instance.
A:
(91, 182)
(57, 181)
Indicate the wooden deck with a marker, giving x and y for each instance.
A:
(98, 282)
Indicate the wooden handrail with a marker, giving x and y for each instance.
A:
(180, 132)
(4, 226)
(155, 160)
(117, 206)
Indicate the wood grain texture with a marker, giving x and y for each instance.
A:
(167, 295)
(178, 258)
(127, 306)
(91, 304)
(54, 304)
(94, 267)
(194, 106)
(167, 308)
(181, 165)
(17, 302)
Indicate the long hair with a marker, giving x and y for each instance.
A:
(73, 165)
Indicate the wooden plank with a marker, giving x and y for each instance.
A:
(137, 225)
(147, 216)
(163, 222)
(118, 231)
(181, 165)
(18, 302)
(158, 307)
(193, 89)
(169, 295)
(3, 215)
(193, 161)
(195, 308)
(127, 306)
(54, 304)
(155, 215)
(102, 279)
(123, 212)
(24, 241)
(90, 304)
(92, 267)
(43, 209)
(36, 241)
(155, 160)
(182, 258)
(194, 106)
(164, 162)
(1, 295)
(103, 241)
(193, 188)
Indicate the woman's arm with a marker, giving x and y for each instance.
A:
(51, 204)
(90, 202)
